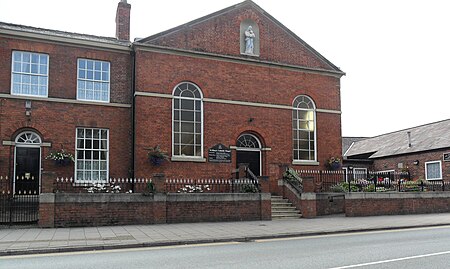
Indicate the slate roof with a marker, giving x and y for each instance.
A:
(423, 138)
(57, 33)
(348, 141)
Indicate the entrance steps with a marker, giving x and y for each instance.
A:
(283, 209)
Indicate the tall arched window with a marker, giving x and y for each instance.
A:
(187, 121)
(303, 129)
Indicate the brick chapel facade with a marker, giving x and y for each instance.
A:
(237, 80)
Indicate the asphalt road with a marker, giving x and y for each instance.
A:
(413, 248)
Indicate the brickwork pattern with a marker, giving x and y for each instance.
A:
(417, 171)
(213, 36)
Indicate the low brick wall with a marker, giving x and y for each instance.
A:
(374, 204)
(321, 204)
(86, 209)
(217, 207)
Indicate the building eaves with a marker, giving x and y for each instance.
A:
(61, 36)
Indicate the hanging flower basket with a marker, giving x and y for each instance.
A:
(157, 156)
(63, 162)
(60, 157)
(334, 163)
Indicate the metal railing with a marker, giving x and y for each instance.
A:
(19, 200)
(372, 181)
(111, 185)
(211, 185)
(291, 177)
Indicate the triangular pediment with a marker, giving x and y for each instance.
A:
(222, 33)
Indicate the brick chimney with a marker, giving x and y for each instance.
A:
(123, 20)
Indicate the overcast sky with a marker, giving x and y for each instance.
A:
(396, 54)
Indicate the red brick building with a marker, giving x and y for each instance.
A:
(423, 151)
(236, 80)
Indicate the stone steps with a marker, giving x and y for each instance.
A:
(283, 209)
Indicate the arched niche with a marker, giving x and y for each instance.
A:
(245, 25)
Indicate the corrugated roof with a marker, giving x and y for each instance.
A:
(423, 138)
(57, 33)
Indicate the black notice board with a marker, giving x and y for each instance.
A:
(219, 154)
(447, 157)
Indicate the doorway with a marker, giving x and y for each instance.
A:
(27, 164)
(248, 150)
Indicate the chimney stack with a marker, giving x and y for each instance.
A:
(409, 139)
(123, 20)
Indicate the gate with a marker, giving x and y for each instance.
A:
(19, 205)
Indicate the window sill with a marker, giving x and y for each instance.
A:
(314, 163)
(188, 159)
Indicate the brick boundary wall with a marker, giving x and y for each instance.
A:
(321, 204)
(86, 209)
(375, 204)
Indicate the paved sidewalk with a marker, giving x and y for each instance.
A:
(36, 240)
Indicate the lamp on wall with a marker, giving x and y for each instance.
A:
(416, 162)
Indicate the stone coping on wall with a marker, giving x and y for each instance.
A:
(158, 197)
(396, 195)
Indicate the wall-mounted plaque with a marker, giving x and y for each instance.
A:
(219, 154)
(447, 157)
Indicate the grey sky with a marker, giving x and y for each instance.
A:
(395, 53)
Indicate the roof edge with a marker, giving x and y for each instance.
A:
(263, 12)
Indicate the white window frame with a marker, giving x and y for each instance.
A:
(257, 149)
(93, 80)
(426, 170)
(174, 98)
(84, 148)
(363, 171)
(30, 73)
(313, 109)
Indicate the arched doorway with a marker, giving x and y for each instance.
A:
(248, 150)
(27, 159)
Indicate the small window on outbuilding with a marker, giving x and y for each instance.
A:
(433, 170)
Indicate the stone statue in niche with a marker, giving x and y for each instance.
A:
(249, 39)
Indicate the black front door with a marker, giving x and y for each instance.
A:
(250, 157)
(27, 170)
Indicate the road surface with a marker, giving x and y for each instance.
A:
(412, 248)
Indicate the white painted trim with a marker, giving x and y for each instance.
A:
(93, 80)
(201, 121)
(60, 100)
(234, 102)
(30, 74)
(48, 38)
(187, 159)
(23, 145)
(426, 170)
(328, 111)
(252, 150)
(351, 145)
(76, 155)
(313, 163)
(298, 127)
(12, 143)
(234, 59)
(383, 171)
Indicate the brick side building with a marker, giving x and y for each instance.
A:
(424, 151)
(236, 79)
